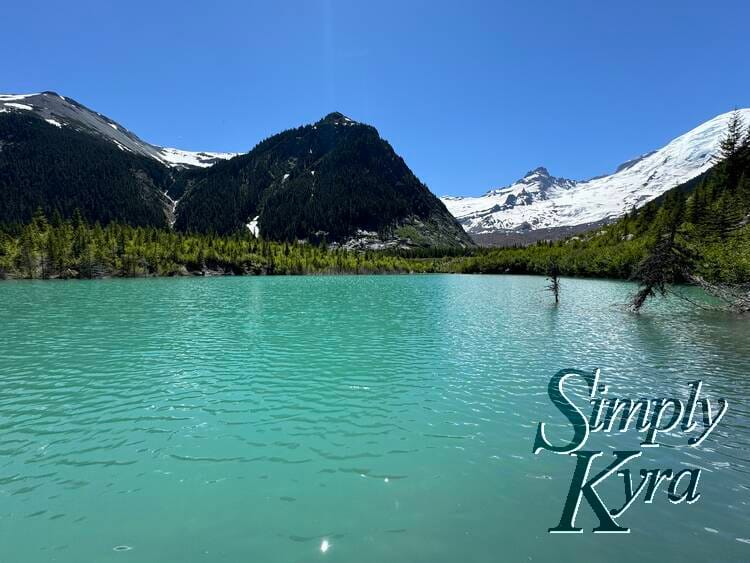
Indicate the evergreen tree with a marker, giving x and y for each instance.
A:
(734, 138)
(732, 151)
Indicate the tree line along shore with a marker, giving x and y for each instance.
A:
(695, 233)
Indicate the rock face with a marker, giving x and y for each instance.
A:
(540, 206)
(333, 180)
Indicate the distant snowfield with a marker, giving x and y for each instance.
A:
(174, 156)
(540, 201)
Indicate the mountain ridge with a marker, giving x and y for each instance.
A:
(333, 181)
(571, 204)
(62, 111)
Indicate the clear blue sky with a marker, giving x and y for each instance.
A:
(471, 94)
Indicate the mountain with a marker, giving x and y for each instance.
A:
(543, 207)
(698, 231)
(64, 112)
(58, 155)
(335, 180)
(495, 210)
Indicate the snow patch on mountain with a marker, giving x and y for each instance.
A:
(15, 97)
(18, 106)
(254, 227)
(179, 157)
(540, 201)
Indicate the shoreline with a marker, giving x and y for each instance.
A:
(324, 275)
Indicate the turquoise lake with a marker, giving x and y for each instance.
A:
(366, 419)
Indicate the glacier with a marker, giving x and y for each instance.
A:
(540, 201)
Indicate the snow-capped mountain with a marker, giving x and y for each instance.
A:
(490, 212)
(61, 111)
(540, 201)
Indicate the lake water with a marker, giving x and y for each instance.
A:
(362, 419)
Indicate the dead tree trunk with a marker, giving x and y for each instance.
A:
(553, 276)
(666, 263)
(734, 297)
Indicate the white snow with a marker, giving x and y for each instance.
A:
(122, 147)
(535, 203)
(53, 122)
(178, 157)
(18, 106)
(254, 227)
(15, 97)
(113, 126)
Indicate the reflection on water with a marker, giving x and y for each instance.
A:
(345, 418)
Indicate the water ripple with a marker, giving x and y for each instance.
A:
(255, 418)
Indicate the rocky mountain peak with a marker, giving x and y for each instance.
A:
(539, 171)
(337, 118)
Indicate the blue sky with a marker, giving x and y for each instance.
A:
(471, 94)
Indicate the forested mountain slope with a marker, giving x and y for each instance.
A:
(60, 170)
(335, 180)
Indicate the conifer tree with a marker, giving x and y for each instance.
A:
(732, 151)
(734, 138)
